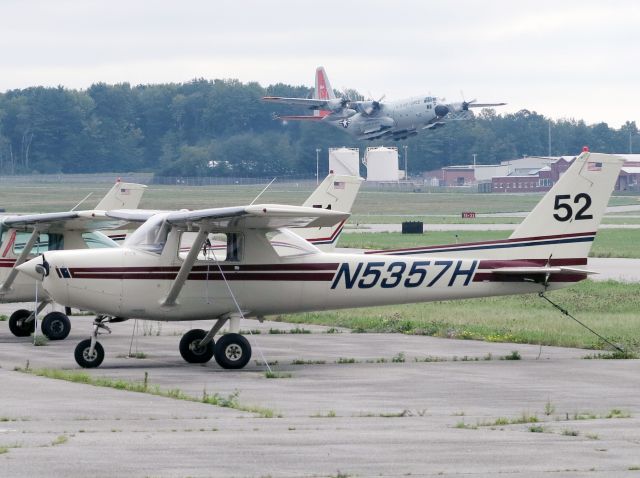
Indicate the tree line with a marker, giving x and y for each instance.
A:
(221, 128)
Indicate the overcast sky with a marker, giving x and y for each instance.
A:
(563, 59)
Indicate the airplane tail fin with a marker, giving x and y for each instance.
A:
(565, 221)
(122, 196)
(558, 232)
(338, 193)
(323, 90)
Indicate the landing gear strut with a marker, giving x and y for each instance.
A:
(89, 353)
(231, 351)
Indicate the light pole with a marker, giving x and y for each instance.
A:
(406, 172)
(318, 165)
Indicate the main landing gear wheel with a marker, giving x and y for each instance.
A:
(85, 358)
(17, 324)
(56, 326)
(190, 347)
(232, 351)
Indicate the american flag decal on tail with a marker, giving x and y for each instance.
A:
(125, 191)
(593, 166)
(338, 184)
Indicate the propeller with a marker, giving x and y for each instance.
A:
(466, 104)
(370, 107)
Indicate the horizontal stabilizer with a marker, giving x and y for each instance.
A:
(299, 118)
(308, 102)
(541, 270)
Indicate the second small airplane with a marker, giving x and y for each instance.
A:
(370, 119)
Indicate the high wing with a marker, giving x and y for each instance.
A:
(63, 221)
(263, 216)
(473, 104)
(133, 215)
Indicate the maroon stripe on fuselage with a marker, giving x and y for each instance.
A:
(211, 268)
(258, 276)
(485, 243)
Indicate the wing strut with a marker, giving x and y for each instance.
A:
(185, 269)
(6, 285)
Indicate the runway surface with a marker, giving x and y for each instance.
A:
(440, 412)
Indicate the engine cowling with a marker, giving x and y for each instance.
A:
(441, 111)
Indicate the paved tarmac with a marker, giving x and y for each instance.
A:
(373, 417)
(460, 227)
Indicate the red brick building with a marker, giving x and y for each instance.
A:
(531, 179)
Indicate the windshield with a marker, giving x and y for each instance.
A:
(98, 240)
(151, 236)
(288, 244)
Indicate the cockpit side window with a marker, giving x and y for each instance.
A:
(218, 247)
(151, 236)
(45, 242)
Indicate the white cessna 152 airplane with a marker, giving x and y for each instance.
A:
(369, 120)
(24, 236)
(149, 278)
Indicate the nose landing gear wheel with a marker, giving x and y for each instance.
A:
(86, 359)
(17, 324)
(190, 349)
(232, 351)
(56, 326)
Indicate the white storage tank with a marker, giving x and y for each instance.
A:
(344, 161)
(382, 164)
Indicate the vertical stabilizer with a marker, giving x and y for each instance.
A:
(338, 193)
(323, 89)
(122, 196)
(568, 216)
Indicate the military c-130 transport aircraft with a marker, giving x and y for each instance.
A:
(150, 278)
(371, 119)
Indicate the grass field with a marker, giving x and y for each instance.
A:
(608, 243)
(611, 308)
(56, 197)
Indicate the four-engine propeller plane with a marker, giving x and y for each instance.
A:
(149, 277)
(25, 236)
(371, 119)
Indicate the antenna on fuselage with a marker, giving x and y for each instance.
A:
(83, 200)
(261, 192)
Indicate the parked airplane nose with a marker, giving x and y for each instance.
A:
(37, 268)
